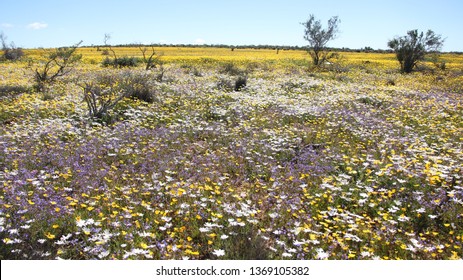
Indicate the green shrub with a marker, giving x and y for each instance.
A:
(107, 62)
(7, 90)
(10, 51)
(58, 63)
(240, 83)
(225, 84)
(230, 69)
(139, 86)
(120, 62)
(104, 92)
(13, 54)
(413, 47)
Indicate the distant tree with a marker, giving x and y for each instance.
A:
(151, 59)
(368, 49)
(57, 63)
(10, 51)
(116, 62)
(102, 95)
(106, 39)
(413, 47)
(318, 38)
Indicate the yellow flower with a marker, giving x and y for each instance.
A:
(49, 235)
(194, 253)
(454, 256)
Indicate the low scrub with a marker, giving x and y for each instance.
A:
(120, 62)
(105, 91)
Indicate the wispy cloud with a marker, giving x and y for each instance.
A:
(6, 25)
(37, 25)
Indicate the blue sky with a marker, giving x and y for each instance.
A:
(53, 23)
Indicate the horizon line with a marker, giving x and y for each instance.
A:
(238, 46)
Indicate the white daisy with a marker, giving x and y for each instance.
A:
(219, 252)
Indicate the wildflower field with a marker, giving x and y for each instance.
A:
(352, 161)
